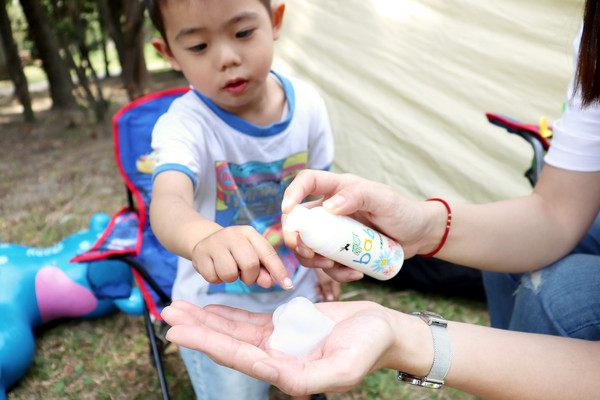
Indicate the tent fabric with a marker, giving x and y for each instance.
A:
(408, 83)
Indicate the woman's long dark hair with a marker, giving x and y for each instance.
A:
(587, 76)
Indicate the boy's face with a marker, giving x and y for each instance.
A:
(223, 47)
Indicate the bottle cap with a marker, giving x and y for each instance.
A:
(293, 220)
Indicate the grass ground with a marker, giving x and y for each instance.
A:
(107, 358)
(54, 175)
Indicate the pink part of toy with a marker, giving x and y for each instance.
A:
(60, 297)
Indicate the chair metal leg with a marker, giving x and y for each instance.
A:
(156, 354)
(538, 157)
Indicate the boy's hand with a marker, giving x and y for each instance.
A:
(239, 252)
(328, 288)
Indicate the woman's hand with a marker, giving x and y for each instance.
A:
(417, 226)
(363, 340)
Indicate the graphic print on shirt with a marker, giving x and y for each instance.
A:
(251, 194)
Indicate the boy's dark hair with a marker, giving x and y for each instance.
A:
(155, 12)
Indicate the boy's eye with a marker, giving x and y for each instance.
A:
(244, 34)
(198, 47)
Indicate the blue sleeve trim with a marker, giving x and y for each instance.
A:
(175, 167)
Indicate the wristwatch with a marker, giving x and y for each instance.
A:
(442, 353)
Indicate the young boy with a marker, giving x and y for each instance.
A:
(226, 152)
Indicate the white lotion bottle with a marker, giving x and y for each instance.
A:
(346, 241)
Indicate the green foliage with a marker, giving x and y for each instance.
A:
(19, 27)
(155, 62)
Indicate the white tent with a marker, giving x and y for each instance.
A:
(408, 84)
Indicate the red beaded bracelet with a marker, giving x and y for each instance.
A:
(448, 223)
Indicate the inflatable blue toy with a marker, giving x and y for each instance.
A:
(39, 285)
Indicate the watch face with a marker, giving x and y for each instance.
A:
(432, 318)
(429, 313)
(432, 385)
(408, 378)
(419, 381)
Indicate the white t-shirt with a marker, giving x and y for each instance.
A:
(240, 172)
(576, 136)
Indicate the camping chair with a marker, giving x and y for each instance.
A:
(128, 236)
(538, 136)
(439, 276)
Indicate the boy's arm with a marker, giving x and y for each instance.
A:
(218, 254)
(175, 222)
(328, 288)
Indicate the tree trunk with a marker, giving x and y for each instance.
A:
(129, 41)
(135, 72)
(102, 44)
(85, 64)
(59, 78)
(97, 104)
(15, 68)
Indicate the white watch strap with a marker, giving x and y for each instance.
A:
(442, 352)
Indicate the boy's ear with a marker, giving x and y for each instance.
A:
(162, 47)
(277, 9)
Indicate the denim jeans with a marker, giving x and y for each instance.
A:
(562, 299)
(213, 381)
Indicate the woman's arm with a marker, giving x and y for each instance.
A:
(516, 235)
(492, 363)
(500, 364)
(526, 233)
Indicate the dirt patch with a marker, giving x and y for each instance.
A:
(56, 173)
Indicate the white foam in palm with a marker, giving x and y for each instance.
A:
(298, 328)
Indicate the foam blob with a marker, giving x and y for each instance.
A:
(298, 328)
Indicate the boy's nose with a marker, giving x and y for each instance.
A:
(228, 57)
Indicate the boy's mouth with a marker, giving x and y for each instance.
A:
(236, 86)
